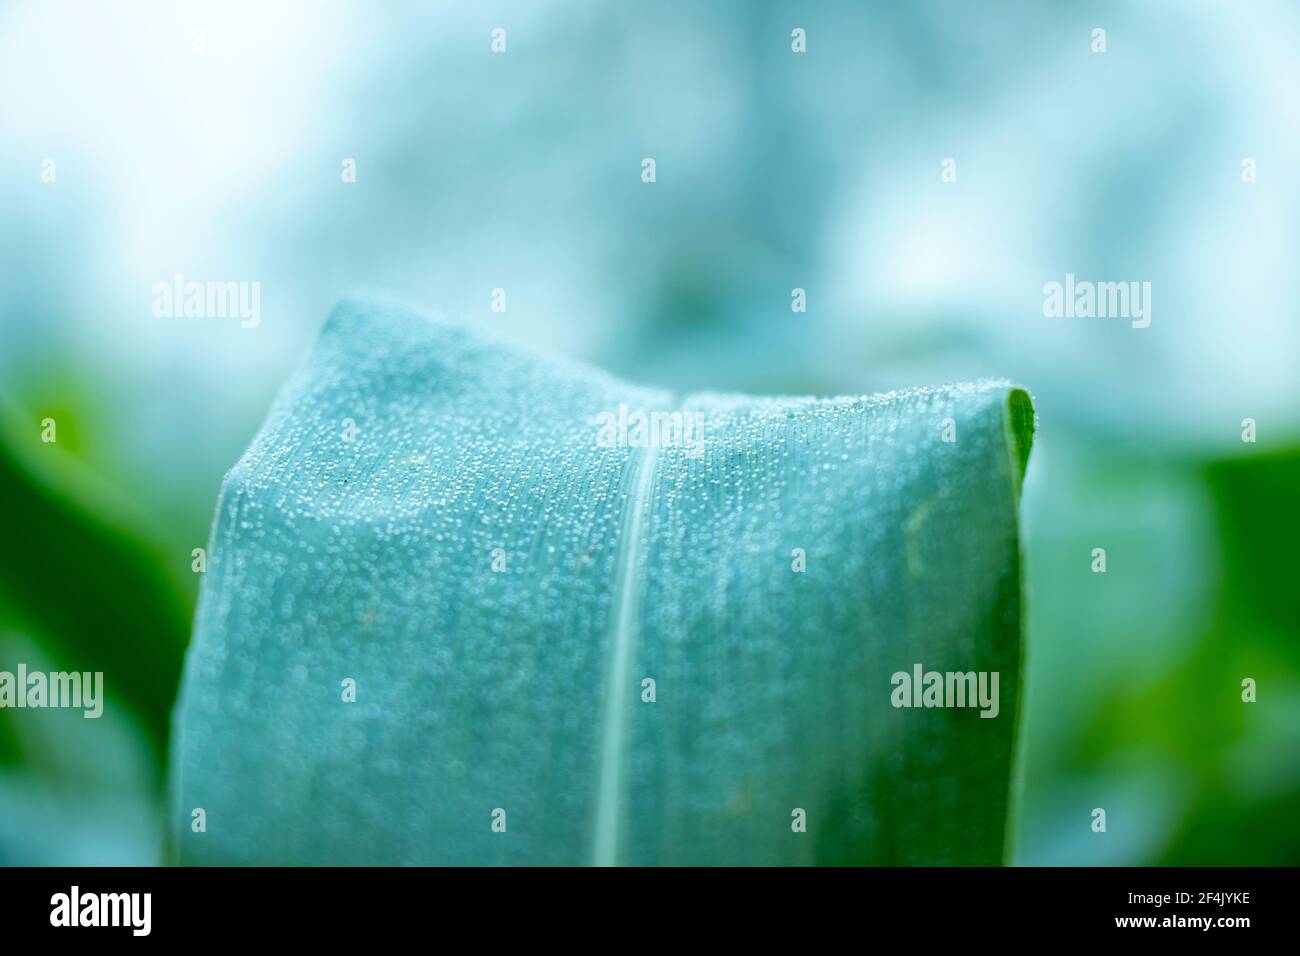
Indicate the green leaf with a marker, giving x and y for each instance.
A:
(80, 573)
(368, 555)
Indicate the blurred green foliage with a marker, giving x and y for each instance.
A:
(1135, 675)
(82, 572)
(83, 586)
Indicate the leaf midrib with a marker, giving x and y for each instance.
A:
(622, 638)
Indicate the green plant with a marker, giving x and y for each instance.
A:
(435, 596)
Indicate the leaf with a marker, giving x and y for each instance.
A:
(515, 696)
(79, 572)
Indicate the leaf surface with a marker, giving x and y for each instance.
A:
(367, 554)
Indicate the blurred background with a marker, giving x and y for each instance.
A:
(211, 139)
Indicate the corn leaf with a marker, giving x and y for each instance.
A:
(460, 609)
